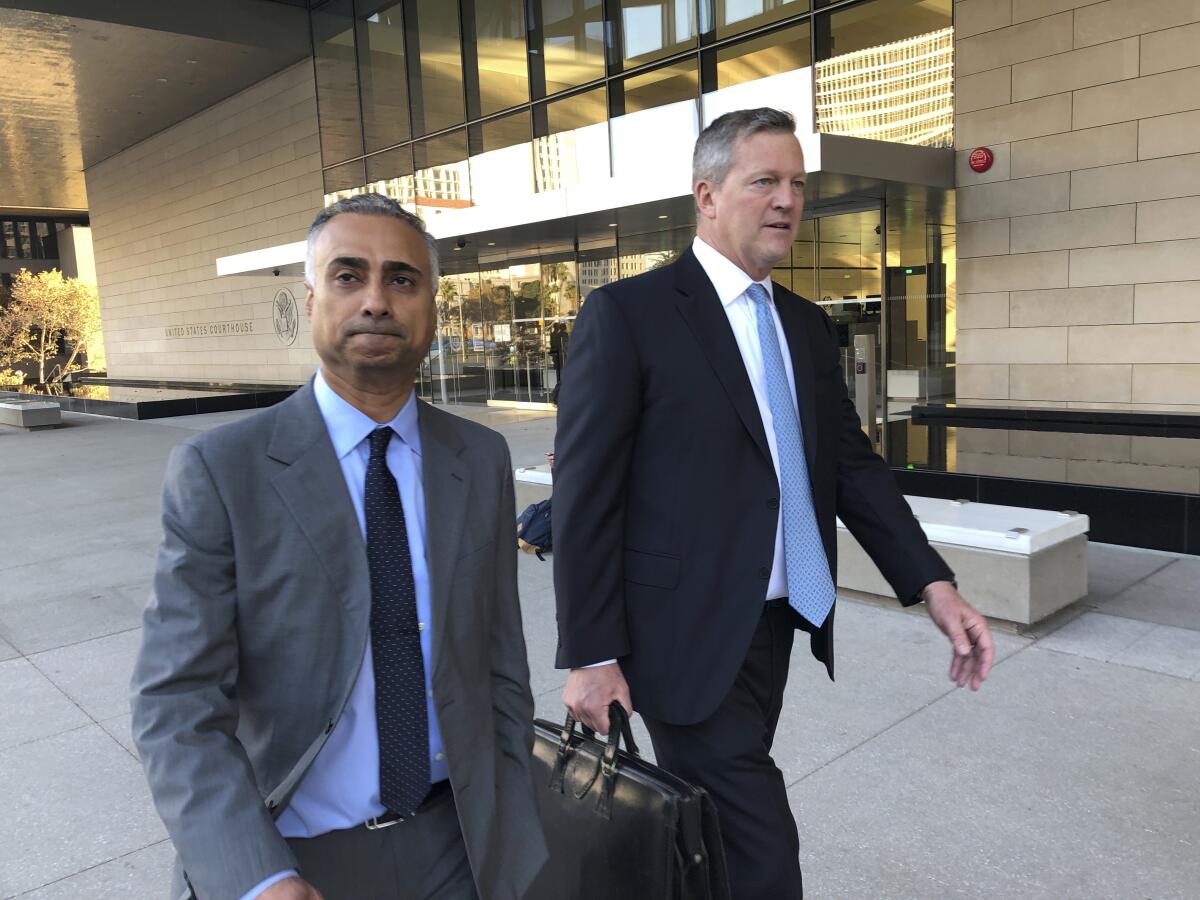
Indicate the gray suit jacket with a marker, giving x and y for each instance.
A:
(257, 626)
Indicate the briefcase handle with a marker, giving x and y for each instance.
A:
(619, 728)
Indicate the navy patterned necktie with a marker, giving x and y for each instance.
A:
(400, 709)
(810, 586)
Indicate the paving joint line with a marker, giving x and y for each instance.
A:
(900, 721)
(56, 734)
(97, 722)
(1189, 679)
(78, 642)
(88, 869)
(1147, 576)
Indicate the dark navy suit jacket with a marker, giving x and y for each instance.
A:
(666, 499)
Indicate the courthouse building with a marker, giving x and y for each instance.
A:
(1003, 209)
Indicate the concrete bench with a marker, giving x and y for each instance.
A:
(1015, 564)
(30, 414)
(532, 484)
(1012, 563)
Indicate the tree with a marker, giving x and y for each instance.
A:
(46, 310)
(662, 258)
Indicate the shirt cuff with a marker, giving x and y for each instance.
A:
(266, 883)
(607, 662)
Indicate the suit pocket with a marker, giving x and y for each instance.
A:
(651, 569)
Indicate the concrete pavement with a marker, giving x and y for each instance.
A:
(1074, 773)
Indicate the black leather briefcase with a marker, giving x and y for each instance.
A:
(618, 827)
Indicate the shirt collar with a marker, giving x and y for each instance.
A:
(727, 279)
(348, 426)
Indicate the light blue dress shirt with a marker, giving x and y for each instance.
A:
(341, 788)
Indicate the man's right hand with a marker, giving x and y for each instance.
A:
(291, 889)
(589, 692)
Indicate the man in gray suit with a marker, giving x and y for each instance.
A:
(332, 696)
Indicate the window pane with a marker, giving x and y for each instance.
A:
(391, 173)
(438, 99)
(670, 84)
(382, 69)
(884, 21)
(345, 180)
(584, 109)
(890, 73)
(653, 250)
(502, 163)
(442, 176)
(575, 143)
(496, 134)
(760, 57)
(651, 29)
(337, 82)
(735, 16)
(572, 42)
(500, 46)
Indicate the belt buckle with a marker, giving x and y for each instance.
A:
(378, 823)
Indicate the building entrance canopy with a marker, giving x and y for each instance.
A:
(842, 170)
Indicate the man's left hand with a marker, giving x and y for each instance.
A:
(967, 630)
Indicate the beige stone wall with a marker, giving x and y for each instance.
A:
(242, 175)
(1079, 251)
(1114, 460)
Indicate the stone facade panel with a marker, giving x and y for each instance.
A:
(1102, 226)
(1110, 305)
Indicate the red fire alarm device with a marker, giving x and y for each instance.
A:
(981, 159)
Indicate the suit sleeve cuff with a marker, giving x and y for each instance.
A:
(267, 882)
(919, 596)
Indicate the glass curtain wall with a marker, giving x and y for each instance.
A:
(335, 65)
(383, 74)
(504, 333)
(502, 66)
(388, 73)
(883, 274)
(475, 110)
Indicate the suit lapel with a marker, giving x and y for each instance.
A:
(447, 484)
(314, 491)
(701, 309)
(800, 348)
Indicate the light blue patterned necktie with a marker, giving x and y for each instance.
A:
(810, 587)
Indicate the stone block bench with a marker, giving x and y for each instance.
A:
(532, 484)
(1014, 564)
(30, 414)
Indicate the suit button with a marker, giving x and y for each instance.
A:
(764, 572)
(773, 503)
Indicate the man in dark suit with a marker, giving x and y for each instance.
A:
(332, 696)
(705, 445)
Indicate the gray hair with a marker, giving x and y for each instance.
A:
(713, 157)
(369, 205)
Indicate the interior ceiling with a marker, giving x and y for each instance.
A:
(81, 80)
(838, 200)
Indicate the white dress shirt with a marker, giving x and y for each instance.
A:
(340, 790)
(731, 284)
